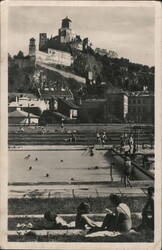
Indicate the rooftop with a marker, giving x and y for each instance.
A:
(16, 94)
(70, 104)
(57, 93)
(66, 18)
(20, 113)
(141, 93)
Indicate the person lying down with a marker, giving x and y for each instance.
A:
(119, 220)
(53, 221)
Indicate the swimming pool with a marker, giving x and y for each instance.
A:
(60, 166)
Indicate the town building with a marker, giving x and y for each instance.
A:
(92, 110)
(141, 107)
(21, 117)
(55, 93)
(27, 102)
(117, 107)
(67, 108)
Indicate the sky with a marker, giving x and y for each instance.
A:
(129, 31)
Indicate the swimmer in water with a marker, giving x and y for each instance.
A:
(61, 160)
(27, 157)
(47, 175)
(36, 159)
(30, 168)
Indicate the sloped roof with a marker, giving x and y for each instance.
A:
(66, 18)
(57, 93)
(141, 93)
(58, 114)
(70, 104)
(29, 95)
(20, 113)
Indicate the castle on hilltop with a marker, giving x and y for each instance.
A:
(65, 39)
(57, 50)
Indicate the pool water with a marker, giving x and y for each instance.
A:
(60, 166)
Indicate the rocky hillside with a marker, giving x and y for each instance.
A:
(117, 73)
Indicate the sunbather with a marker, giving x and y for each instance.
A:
(50, 221)
(120, 219)
(82, 220)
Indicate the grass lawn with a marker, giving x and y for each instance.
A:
(68, 205)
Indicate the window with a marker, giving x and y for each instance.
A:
(133, 110)
(73, 113)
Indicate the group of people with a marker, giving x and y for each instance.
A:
(20, 130)
(101, 137)
(73, 138)
(127, 143)
(118, 220)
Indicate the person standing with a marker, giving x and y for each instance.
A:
(127, 171)
(122, 143)
(148, 212)
(62, 122)
(98, 137)
(130, 143)
(104, 137)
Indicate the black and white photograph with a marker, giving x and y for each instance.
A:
(81, 123)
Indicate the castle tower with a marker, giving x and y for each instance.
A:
(66, 23)
(65, 32)
(32, 47)
(42, 40)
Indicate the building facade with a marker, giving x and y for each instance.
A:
(141, 107)
(60, 57)
(54, 57)
(117, 107)
(20, 117)
(68, 109)
(28, 104)
(92, 111)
